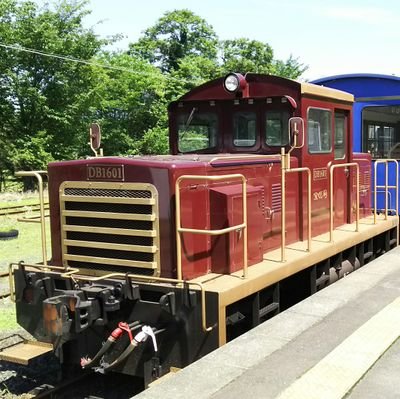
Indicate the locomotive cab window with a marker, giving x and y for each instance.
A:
(340, 135)
(244, 129)
(197, 131)
(319, 130)
(276, 128)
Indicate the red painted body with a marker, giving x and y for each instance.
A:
(215, 205)
(122, 236)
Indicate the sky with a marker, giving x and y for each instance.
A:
(331, 37)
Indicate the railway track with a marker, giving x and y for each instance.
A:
(46, 391)
(20, 209)
(6, 294)
(89, 385)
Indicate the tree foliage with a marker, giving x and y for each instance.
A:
(245, 55)
(176, 35)
(291, 68)
(131, 101)
(56, 77)
(42, 95)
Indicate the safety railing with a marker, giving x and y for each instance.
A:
(179, 229)
(331, 213)
(283, 210)
(38, 174)
(386, 186)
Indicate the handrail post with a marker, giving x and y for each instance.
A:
(283, 205)
(38, 174)
(375, 188)
(178, 236)
(386, 186)
(309, 229)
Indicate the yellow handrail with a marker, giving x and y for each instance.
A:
(180, 229)
(386, 185)
(299, 170)
(286, 168)
(331, 169)
(38, 174)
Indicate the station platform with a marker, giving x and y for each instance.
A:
(340, 343)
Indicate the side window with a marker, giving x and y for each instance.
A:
(319, 130)
(197, 131)
(276, 128)
(244, 129)
(340, 135)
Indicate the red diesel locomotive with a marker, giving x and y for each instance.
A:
(158, 260)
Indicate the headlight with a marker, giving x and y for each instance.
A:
(231, 82)
(235, 83)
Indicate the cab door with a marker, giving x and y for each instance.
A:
(327, 134)
(343, 192)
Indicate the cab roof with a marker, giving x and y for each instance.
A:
(261, 86)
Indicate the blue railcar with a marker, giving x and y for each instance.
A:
(376, 122)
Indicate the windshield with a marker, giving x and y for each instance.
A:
(276, 128)
(244, 129)
(197, 131)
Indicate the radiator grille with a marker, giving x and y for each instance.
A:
(110, 227)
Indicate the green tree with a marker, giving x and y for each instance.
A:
(291, 68)
(131, 101)
(193, 71)
(245, 55)
(176, 35)
(42, 95)
(154, 141)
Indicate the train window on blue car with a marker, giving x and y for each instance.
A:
(319, 130)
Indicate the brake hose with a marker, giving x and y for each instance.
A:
(139, 338)
(114, 336)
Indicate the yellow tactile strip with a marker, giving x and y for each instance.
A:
(341, 369)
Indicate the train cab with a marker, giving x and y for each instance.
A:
(250, 115)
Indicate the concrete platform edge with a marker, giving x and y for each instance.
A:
(219, 368)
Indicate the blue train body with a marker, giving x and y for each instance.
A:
(376, 122)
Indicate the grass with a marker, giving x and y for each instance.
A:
(7, 223)
(26, 247)
(8, 319)
(9, 199)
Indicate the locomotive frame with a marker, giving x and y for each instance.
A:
(129, 255)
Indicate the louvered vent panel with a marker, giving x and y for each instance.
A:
(276, 197)
(110, 226)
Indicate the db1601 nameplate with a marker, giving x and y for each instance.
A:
(105, 172)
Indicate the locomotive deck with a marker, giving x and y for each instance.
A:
(341, 342)
(231, 288)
